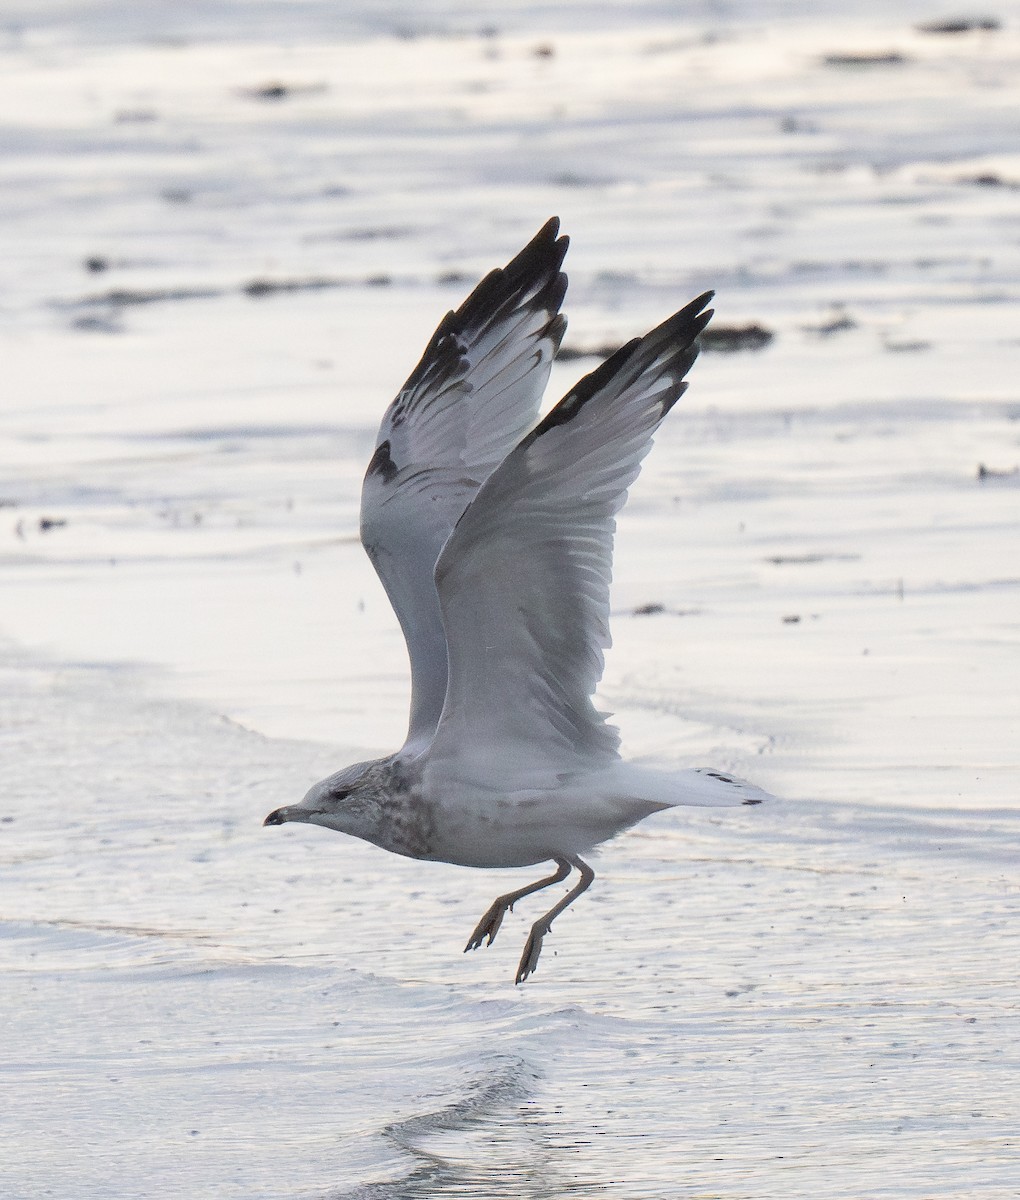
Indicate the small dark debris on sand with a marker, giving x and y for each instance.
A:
(782, 560)
(866, 58)
(960, 25)
(728, 339)
(649, 610)
(125, 297)
(792, 619)
(617, 279)
(720, 339)
(48, 523)
(313, 283)
(268, 287)
(838, 321)
(985, 473)
(268, 91)
(574, 179)
(378, 233)
(96, 323)
(794, 124)
(117, 299)
(135, 116)
(96, 263)
(988, 179)
(274, 90)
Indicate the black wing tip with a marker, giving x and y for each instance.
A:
(532, 279)
(678, 342)
(686, 323)
(548, 238)
(540, 260)
(675, 341)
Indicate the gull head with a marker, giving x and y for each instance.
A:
(348, 801)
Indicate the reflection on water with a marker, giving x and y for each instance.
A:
(492, 1142)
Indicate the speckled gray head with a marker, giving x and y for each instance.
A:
(337, 802)
(378, 801)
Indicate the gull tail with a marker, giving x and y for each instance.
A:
(700, 787)
(709, 788)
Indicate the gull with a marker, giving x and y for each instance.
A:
(492, 532)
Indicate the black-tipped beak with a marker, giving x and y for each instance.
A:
(274, 818)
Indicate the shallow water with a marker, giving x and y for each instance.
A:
(815, 998)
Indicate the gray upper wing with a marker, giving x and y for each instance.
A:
(524, 579)
(473, 396)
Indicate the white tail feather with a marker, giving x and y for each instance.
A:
(702, 787)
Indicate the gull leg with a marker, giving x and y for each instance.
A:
(533, 947)
(489, 925)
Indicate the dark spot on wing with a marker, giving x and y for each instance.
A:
(734, 782)
(382, 464)
(574, 401)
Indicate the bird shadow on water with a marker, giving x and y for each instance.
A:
(488, 1143)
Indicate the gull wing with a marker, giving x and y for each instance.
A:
(472, 397)
(524, 579)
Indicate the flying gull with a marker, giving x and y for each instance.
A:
(493, 536)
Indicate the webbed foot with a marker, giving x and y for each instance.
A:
(489, 925)
(532, 949)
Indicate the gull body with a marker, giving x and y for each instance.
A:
(492, 533)
(413, 808)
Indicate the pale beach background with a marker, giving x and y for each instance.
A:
(226, 232)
